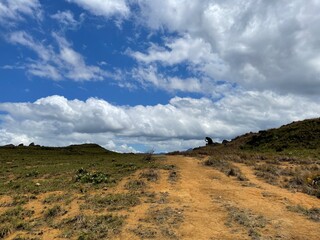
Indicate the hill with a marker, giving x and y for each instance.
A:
(87, 148)
(301, 138)
(297, 135)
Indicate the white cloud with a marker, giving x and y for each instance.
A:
(104, 8)
(193, 51)
(12, 11)
(57, 65)
(24, 39)
(265, 45)
(150, 76)
(66, 18)
(180, 124)
(180, 50)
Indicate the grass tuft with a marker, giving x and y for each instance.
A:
(312, 213)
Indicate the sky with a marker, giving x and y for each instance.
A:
(142, 75)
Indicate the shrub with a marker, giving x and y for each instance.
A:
(84, 176)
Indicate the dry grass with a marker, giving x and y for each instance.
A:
(253, 223)
(226, 167)
(312, 213)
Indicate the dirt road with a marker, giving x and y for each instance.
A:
(183, 199)
(214, 206)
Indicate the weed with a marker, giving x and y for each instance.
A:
(54, 211)
(135, 185)
(91, 227)
(113, 201)
(246, 219)
(149, 156)
(14, 220)
(268, 172)
(150, 174)
(226, 167)
(5, 229)
(84, 176)
(312, 213)
(165, 219)
(54, 198)
(168, 167)
(165, 216)
(144, 232)
(173, 176)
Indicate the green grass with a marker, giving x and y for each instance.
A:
(54, 211)
(14, 219)
(35, 170)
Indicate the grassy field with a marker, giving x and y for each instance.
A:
(40, 185)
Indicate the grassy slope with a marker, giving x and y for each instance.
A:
(298, 139)
(21, 168)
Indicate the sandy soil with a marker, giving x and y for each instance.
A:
(204, 193)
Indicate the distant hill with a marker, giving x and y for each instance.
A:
(300, 135)
(87, 148)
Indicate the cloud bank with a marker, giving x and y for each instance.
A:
(260, 45)
(180, 124)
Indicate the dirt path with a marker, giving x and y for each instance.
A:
(202, 203)
(208, 198)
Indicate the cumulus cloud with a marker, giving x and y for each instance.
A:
(193, 51)
(104, 8)
(264, 45)
(65, 63)
(151, 76)
(180, 124)
(12, 11)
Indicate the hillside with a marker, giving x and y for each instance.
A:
(297, 135)
(301, 138)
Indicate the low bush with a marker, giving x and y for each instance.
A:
(84, 176)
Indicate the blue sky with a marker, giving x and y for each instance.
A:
(135, 75)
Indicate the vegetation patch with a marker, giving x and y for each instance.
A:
(144, 232)
(173, 176)
(226, 167)
(134, 185)
(312, 213)
(112, 202)
(54, 211)
(250, 221)
(151, 175)
(15, 219)
(54, 198)
(270, 173)
(84, 176)
(166, 219)
(85, 227)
